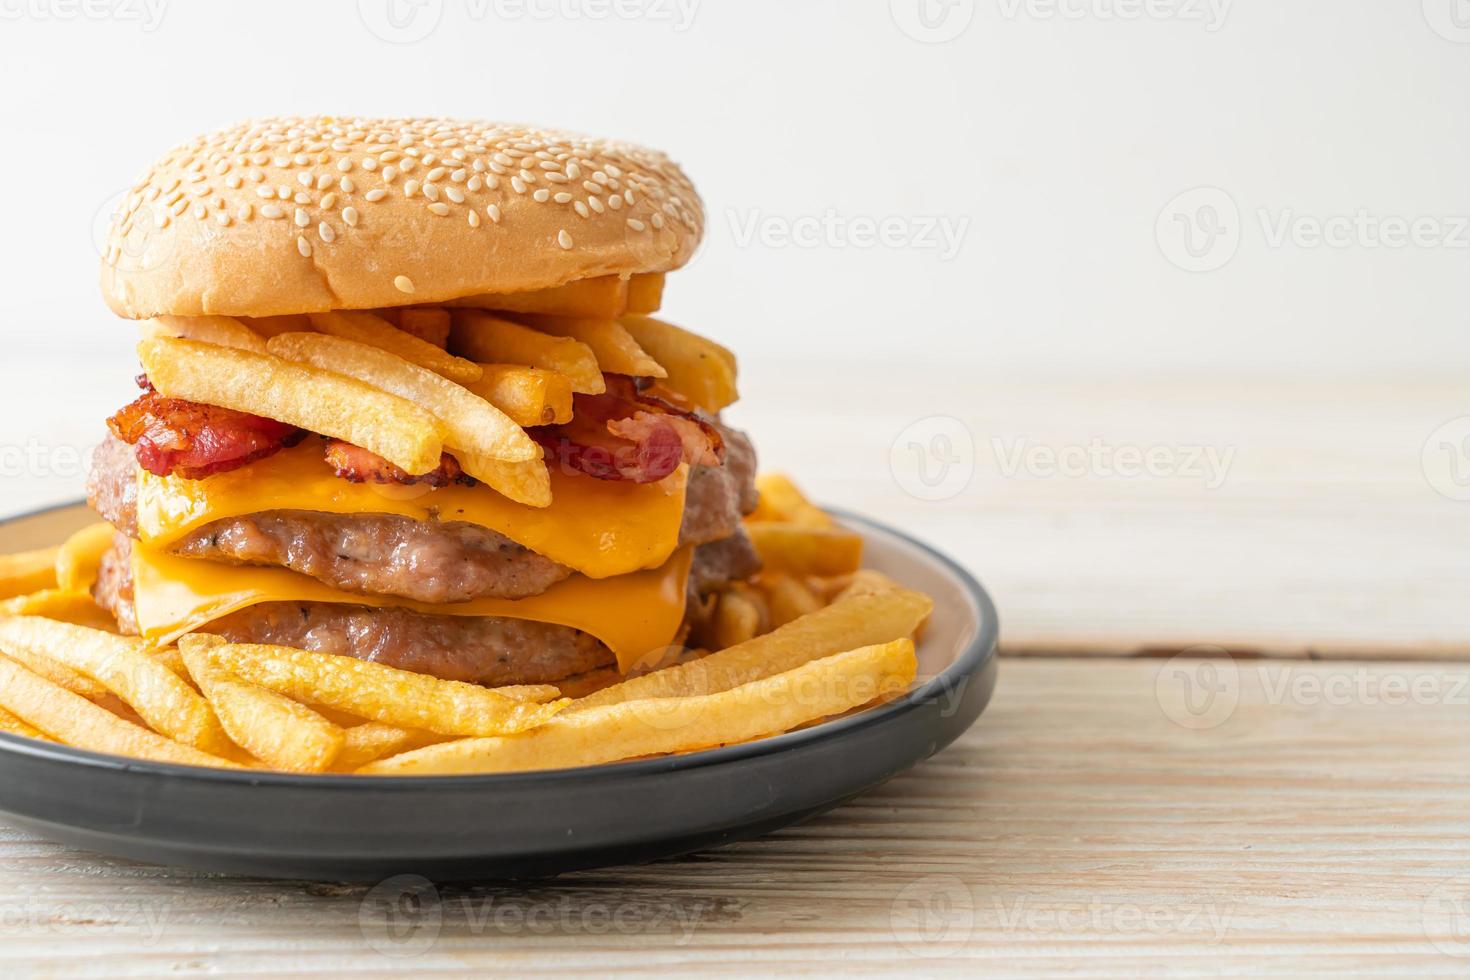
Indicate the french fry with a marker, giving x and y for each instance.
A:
(267, 327)
(431, 325)
(482, 337)
(470, 422)
(276, 730)
(611, 343)
(27, 571)
(866, 581)
(530, 396)
(780, 500)
(844, 625)
(602, 296)
(817, 689)
(56, 673)
(699, 369)
(645, 293)
(788, 598)
(77, 608)
(19, 726)
(80, 556)
(124, 666)
(377, 332)
(262, 384)
(806, 550)
(72, 719)
(526, 483)
(737, 618)
(375, 692)
(223, 331)
(373, 740)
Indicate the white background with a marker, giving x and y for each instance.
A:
(1049, 138)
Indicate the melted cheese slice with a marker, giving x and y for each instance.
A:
(633, 614)
(599, 528)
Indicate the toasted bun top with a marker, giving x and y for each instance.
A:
(306, 215)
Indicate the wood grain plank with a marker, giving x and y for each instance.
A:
(1319, 826)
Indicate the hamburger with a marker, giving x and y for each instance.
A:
(403, 399)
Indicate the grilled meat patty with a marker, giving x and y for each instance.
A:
(427, 561)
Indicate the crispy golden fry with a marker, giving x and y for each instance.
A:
(582, 685)
(482, 337)
(645, 293)
(276, 730)
(27, 571)
(806, 550)
(72, 719)
(373, 740)
(124, 666)
(81, 555)
(58, 674)
(782, 501)
(267, 327)
(429, 324)
(377, 332)
(738, 617)
(604, 296)
(262, 384)
(77, 608)
(223, 331)
(530, 396)
(378, 693)
(699, 369)
(844, 625)
(818, 689)
(470, 422)
(526, 483)
(788, 598)
(613, 346)
(19, 726)
(866, 581)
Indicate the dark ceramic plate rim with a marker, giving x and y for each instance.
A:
(970, 661)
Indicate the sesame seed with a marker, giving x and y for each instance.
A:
(581, 209)
(370, 163)
(591, 188)
(222, 219)
(658, 220)
(344, 165)
(329, 201)
(245, 212)
(474, 218)
(542, 196)
(636, 225)
(233, 181)
(271, 211)
(518, 185)
(376, 194)
(199, 211)
(265, 192)
(563, 239)
(454, 194)
(283, 193)
(304, 179)
(304, 247)
(325, 230)
(410, 188)
(349, 215)
(431, 191)
(323, 181)
(492, 212)
(347, 184)
(595, 203)
(459, 176)
(302, 198)
(389, 173)
(436, 174)
(439, 208)
(476, 183)
(615, 201)
(403, 284)
(562, 198)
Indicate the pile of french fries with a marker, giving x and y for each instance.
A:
(814, 636)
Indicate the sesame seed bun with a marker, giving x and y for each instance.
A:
(306, 215)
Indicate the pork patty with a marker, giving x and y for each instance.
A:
(483, 650)
(427, 561)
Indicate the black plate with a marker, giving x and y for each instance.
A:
(354, 828)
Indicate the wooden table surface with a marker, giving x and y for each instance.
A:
(1297, 805)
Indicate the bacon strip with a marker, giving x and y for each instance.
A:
(357, 465)
(633, 432)
(171, 436)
